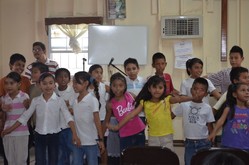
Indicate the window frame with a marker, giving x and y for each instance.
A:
(70, 21)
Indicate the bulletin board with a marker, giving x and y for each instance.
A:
(118, 43)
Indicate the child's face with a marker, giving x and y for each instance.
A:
(195, 70)
(35, 74)
(38, 53)
(159, 65)
(235, 59)
(63, 79)
(198, 91)
(242, 93)
(80, 87)
(156, 91)
(97, 74)
(243, 78)
(47, 86)
(18, 67)
(11, 87)
(132, 71)
(118, 87)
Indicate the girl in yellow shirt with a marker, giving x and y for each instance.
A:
(156, 105)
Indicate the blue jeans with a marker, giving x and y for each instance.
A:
(194, 145)
(91, 152)
(65, 147)
(133, 140)
(47, 143)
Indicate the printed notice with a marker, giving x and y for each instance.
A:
(183, 52)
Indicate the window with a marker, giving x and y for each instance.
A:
(61, 52)
(59, 48)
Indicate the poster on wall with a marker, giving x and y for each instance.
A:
(116, 9)
(183, 52)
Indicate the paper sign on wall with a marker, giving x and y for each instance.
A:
(183, 52)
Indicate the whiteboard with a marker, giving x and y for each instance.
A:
(117, 42)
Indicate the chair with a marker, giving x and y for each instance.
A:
(202, 157)
(149, 155)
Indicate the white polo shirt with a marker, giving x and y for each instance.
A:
(84, 120)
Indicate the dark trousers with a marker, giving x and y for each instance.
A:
(49, 143)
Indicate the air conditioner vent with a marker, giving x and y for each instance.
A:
(181, 27)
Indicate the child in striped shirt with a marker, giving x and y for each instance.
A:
(14, 103)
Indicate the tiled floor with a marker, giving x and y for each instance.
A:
(178, 150)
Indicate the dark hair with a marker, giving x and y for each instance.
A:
(202, 81)
(84, 76)
(16, 57)
(45, 75)
(60, 70)
(14, 76)
(231, 100)
(235, 73)
(156, 56)
(93, 67)
(237, 49)
(40, 44)
(222, 158)
(117, 76)
(191, 62)
(42, 67)
(131, 61)
(145, 95)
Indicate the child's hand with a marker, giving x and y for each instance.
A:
(112, 127)
(6, 107)
(26, 103)
(211, 137)
(101, 147)
(76, 141)
(172, 115)
(5, 132)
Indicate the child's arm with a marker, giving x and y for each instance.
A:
(100, 134)
(69, 106)
(216, 94)
(219, 124)
(107, 88)
(69, 119)
(26, 103)
(179, 99)
(210, 127)
(175, 92)
(21, 120)
(10, 129)
(107, 116)
(76, 139)
(131, 115)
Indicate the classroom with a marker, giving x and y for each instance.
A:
(224, 24)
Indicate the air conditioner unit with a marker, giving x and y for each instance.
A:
(181, 27)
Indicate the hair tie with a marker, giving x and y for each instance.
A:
(91, 80)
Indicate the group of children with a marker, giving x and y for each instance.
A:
(91, 119)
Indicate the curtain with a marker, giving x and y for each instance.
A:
(74, 32)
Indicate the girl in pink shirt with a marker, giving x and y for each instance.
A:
(120, 104)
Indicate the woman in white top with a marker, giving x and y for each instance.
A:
(47, 108)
